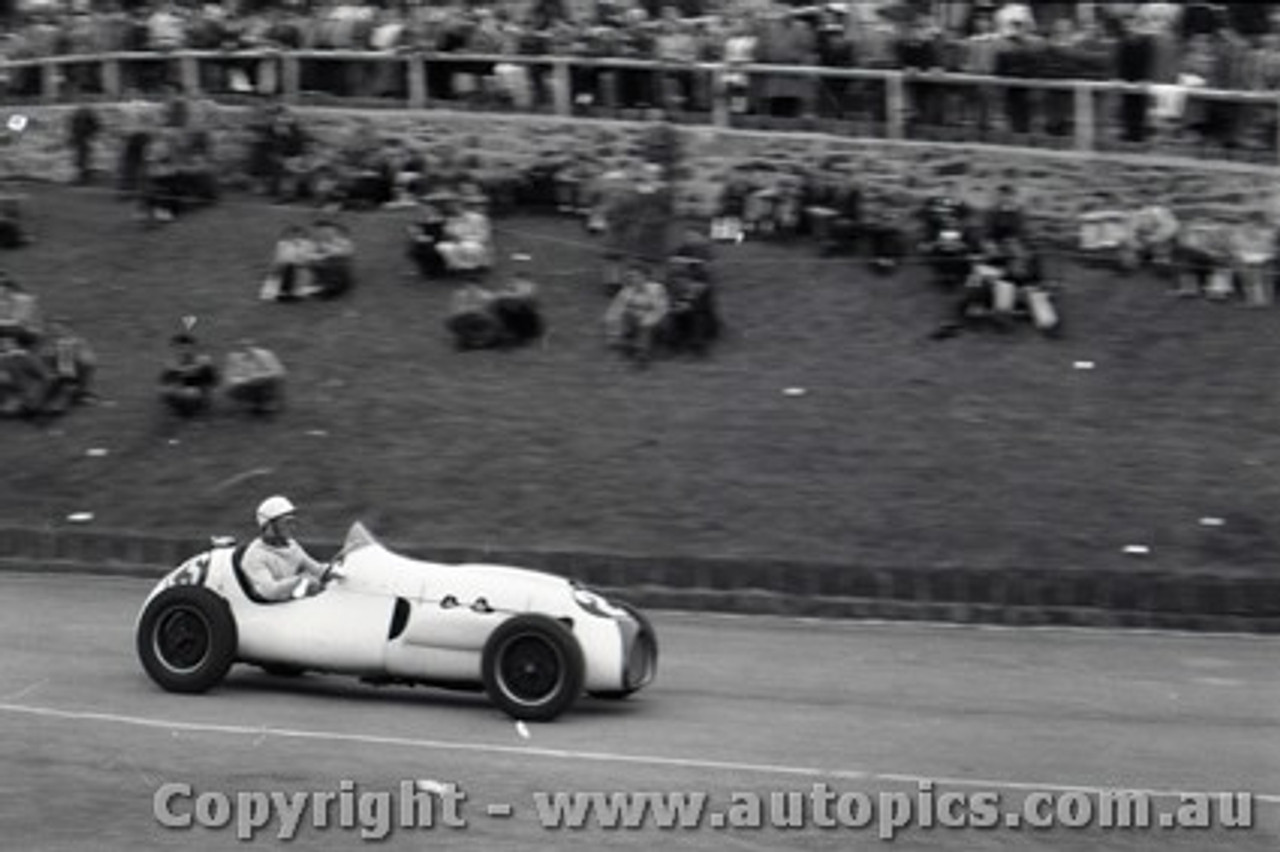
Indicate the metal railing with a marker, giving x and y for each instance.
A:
(1083, 115)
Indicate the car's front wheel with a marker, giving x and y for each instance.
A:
(187, 639)
(532, 668)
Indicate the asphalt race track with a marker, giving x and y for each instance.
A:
(741, 705)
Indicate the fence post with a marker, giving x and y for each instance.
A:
(50, 81)
(895, 107)
(290, 77)
(111, 77)
(1085, 117)
(417, 81)
(189, 71)
(561, 89)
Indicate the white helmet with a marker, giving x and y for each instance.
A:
(274, 508)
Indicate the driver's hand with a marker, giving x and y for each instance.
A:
(306, 587)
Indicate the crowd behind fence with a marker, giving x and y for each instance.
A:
(1080, 115)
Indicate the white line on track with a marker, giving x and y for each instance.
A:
(258, 732)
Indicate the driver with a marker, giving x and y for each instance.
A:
(274, 562)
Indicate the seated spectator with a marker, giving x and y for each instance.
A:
(885, 227)
(404, 171)
(1150, 238)
(834, 212)
(20, 319)
(1104, 231)
(12, 233)
(693, 256)
(1202, 258)
(24, 380)
(360, 178)
(472, 320)
(1002, 279)
(515, 304)
(425, 235)
(1005, 219)
(1025, 270)
(637, 314)
(942, 212)
(254, 379)
(188, 380)
(776, 209)
(290, 274)
(694, 321)
(1253, 247)
(467, 243)
(728, 223)
(71, 364)
(333, 261)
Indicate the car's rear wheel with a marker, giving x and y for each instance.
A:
(187, 639)
(532, 668)
(642, 657)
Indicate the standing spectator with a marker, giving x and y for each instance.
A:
(786, 41)
(83, 128)
(919, 52)
(739, 50)
(979, 54)
(835, 50)
(1134, 64)
(1014, 19)
(1197, 69)
(166, 29)
(1230, 51)
(1019, 58)
(188, 380)
(1061, 61)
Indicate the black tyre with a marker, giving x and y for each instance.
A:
(187, 639)
(532, 668)
(642, 662)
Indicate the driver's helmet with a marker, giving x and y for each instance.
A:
(274, 508)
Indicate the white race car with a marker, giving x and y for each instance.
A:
(533, 641)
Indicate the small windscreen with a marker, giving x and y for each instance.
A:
(357, 537)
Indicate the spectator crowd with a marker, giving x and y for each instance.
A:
(1174, 47)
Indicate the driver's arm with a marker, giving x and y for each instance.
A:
(266, 583)
(307, 564)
